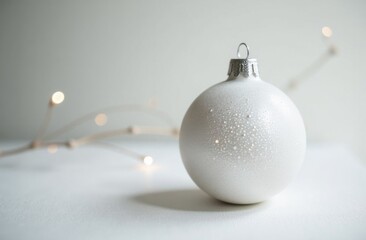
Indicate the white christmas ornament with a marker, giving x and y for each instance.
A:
(242, 140)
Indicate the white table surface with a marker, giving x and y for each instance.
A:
(94, 193)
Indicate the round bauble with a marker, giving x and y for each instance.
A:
(242, 140)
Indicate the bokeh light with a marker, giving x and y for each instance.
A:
(58, 97)
(101, 119)
(327, 31)
(148, 160)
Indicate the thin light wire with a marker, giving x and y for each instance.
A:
(119, 108)
(119, 149)
(310, 70)
(44, 125)
(317, 64)
(88, 139)
(123, 131)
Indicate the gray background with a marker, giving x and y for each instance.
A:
(102, 53)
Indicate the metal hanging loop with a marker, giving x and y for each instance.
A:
(238, 51)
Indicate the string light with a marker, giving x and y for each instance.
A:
(101, 119)
(148, 160)
(327, 31)
(57, 97)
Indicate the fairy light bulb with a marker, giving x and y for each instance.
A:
(242, 140)
(148, 160)
(57, 97)
(101, 119)
(327, 31)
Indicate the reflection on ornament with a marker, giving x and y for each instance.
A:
(251, 146)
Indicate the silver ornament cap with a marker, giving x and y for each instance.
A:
(246, 67)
